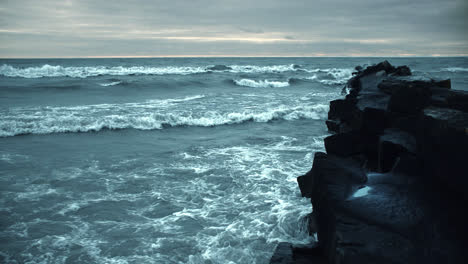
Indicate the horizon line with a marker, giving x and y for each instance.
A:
(244, 56)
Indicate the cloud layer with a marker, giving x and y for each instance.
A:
(57, 28)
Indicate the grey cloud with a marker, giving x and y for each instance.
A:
(263, 27)
(250, 30)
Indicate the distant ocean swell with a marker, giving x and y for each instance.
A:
(455, 69)
(92, 71)
(140, 116)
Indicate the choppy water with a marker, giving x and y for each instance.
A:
(165, 160)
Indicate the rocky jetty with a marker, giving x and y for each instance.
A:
(392, 185)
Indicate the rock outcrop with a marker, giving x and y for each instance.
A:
(392, 187)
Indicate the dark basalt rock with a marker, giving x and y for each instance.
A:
(392, 186)
(393, 144)
(402, 71)
(345, 144)
(333, 125)
(383, 66)
(409, 101)
(374, 121)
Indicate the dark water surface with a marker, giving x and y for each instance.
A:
(165, 160)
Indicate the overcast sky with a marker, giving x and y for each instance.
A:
(88, 28)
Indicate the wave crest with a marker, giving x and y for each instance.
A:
(139, 116)
(261, 83)
(47, 70)
(91, 71)
(110, 84)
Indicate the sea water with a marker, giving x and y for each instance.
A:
(165, 160)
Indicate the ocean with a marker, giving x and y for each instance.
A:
(165, 160)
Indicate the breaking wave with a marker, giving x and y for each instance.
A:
(261, 83)
(47, 70)
(110, 84)
(339, 75)
(83, 72)
(332, 76)
(142, 116)
(91, 71)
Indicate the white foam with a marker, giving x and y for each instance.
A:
(262, 69)
(142, 116)
(179, 100)
(313, 77)
(89, 71)
(455, 69)
(47, 70)
(110, 84)
(261, 83)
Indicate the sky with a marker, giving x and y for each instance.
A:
(144, 28)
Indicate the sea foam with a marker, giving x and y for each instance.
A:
(261, 83)
(143, 116)
(47, 70)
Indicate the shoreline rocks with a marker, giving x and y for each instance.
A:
(392, 186)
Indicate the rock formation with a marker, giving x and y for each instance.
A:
(392, 186)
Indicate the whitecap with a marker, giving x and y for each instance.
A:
(262, 69)
(47, 70)
(90, 71)
(455, 69)
(261, 83)
(141, 116)
(110, 84)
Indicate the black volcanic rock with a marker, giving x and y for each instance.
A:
(409, 100)
(402, 71)
(344, 144)
(392, 186)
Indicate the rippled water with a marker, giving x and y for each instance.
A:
(164, 160)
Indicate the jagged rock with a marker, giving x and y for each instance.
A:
(380, 73)
(340, 109)
(458, 100)
(283, 254)
(416, 132)
(333, 125)
(327, 169)
(447, 84)
(286, 253)
(345, 144)
(443, 150)
(402, 71)
(392, 144)
(383, 66)
(346, 112)
(409, 100)
(374, 121)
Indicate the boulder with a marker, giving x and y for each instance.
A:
(415, 134)
(409, 100)
(392, 144)
(331, 170)
(402, 71)
(382, 66)
(344, 144)
(333, 125)
(374, 121)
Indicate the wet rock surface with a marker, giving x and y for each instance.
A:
(392, 186)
